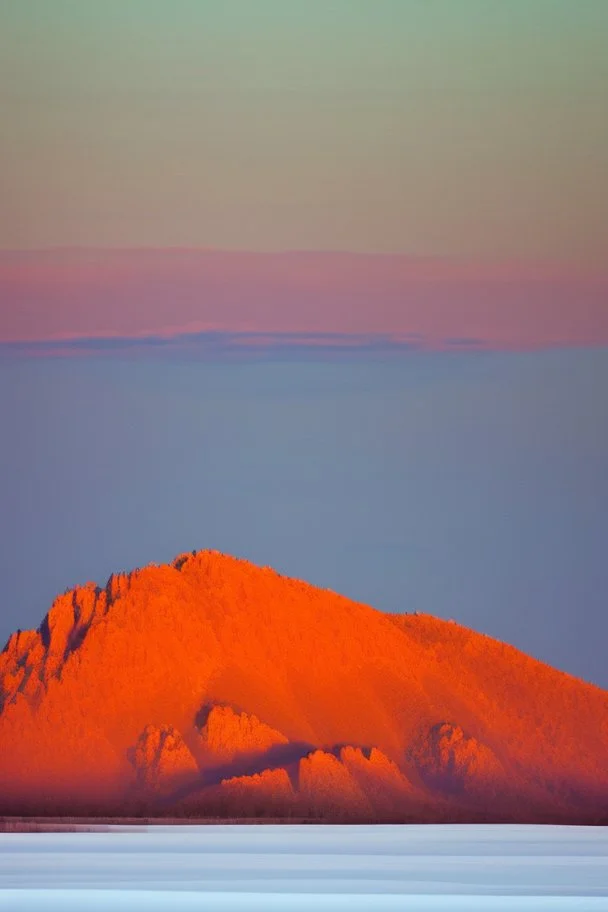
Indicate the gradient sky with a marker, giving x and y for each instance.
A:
(459, 128)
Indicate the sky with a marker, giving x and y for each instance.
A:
(467, 129)
(323, 284)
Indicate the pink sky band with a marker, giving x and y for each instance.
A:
(310, 299)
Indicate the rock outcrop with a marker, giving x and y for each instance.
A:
(227, 733)
(32, 657)
(264, 794)
(326, 786)
(162, 761)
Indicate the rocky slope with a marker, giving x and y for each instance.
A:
(211, 686)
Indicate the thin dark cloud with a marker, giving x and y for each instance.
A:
(221, 345)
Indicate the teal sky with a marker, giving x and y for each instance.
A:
(467, 128)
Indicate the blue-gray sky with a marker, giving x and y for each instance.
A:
(470, 485)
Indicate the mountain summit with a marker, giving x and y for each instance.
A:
(212, 687)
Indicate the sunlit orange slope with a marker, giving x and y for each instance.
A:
(212, 686)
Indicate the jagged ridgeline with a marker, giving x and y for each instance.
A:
(212, 687)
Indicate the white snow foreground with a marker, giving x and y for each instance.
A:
(293, 868)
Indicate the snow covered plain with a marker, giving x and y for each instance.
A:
(293, 868)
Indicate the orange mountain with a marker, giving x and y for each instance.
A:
(214, 687)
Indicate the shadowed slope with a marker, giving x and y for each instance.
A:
(454, 717)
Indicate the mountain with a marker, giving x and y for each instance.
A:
(212, 687)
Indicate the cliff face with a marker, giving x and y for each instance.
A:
(214, 686)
